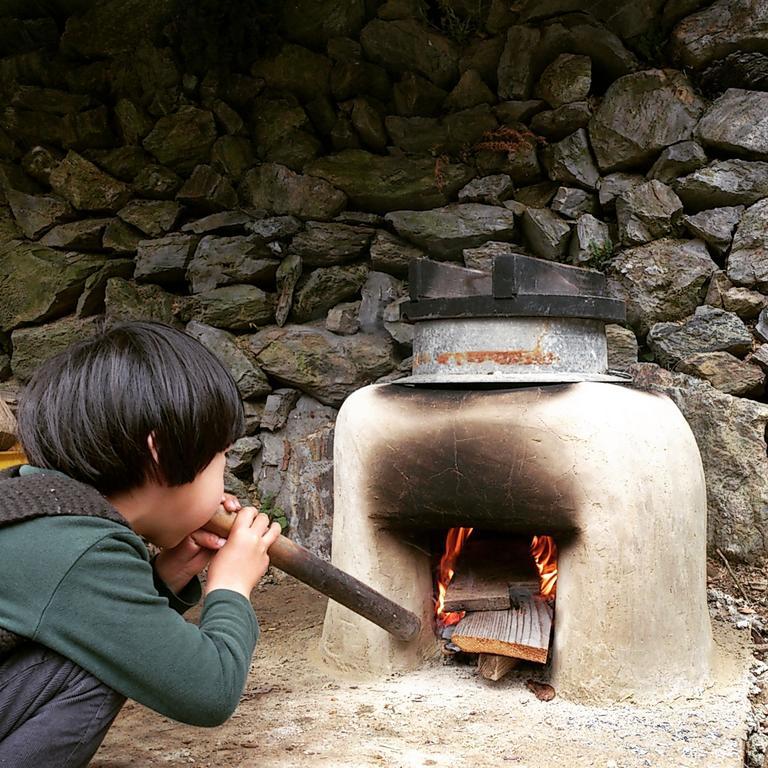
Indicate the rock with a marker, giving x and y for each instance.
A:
(761, 327)
(124, 163)
(715, 226)
(119, 238)
(39, 284)
(678, 160)
(221, 261)
(281, 191)
(537, 195)
(39, 163)
(491, 190)
(737, 124)
(207, 190)
(91, 301)
(622, 347)
(724, 27)
(367, 121)
(225, 223)
(572, 203)
(515, 73)
(152, 217)
(660, 281)
(414, 95)
(406, 45)
(86, 187)
(568, 78)
(241, 455)
(84, 235)
(718, 286)
(511, 150)
(725, 372)
(233, 307)
(723, 183)
(591, 243)
(124, 300)
(36, 214)
(325, 287)
(743, 302)
(8, 229)
(648, 212)
(324, 244)
(545, 233)
(760, 357)
(343, 319)
(570, 162)
(445, 232)
(278, 407)
(380, 184)
(157, 183)
(182, 140)
(614, 185)
(313, 23)
(113, 27)
(164, 260)
(709, 329)
(275, 227)
(482, 258)
(236, 356)
(288, 274)
(640, 115)
(297, 70)
(33, 346)
(748, 261)
(294, 473)
(49, 100)
(392, 255)
(401, 332)
(232, 156)
(377, 293)
(556, 124)
(513, 112)
(321, 364)
(132, 122)
(253, 411)
(469, 92)
(730, 433)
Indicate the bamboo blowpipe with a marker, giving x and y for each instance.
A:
(331, 581)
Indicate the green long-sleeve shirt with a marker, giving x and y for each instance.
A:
(85, 587)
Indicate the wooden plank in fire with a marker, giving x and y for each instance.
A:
(487, 571)
(522, 632)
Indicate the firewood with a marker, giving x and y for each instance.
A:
(521, 632)
(485, 571)
(494, 667)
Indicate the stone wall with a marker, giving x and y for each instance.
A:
(261, 173)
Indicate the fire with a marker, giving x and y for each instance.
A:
(544, 552)
(454, 543)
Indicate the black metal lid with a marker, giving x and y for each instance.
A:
(518, 286)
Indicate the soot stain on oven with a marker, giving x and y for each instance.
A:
(445, 472)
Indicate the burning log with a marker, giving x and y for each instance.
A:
(522, 632)
(486, 571)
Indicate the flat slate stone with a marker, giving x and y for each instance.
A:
(748, 260)
(737, 123)
(723, 183)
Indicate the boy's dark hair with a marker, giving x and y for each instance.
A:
(88, 410)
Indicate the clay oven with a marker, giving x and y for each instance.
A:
(512, 424)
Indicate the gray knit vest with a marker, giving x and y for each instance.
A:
(45, 494)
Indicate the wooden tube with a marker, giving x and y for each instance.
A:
(331, 581)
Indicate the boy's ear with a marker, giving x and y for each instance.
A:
(153, 448)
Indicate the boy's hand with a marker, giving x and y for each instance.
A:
(176, 566)
(243, 559)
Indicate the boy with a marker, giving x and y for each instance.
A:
(126, 435)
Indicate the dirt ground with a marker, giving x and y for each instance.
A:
(297, 713)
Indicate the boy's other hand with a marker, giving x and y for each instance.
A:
(176, 566)
(243, 559)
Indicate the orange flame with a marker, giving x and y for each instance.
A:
(544, 551)
(454, 542)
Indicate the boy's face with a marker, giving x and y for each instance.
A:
(190, 506)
